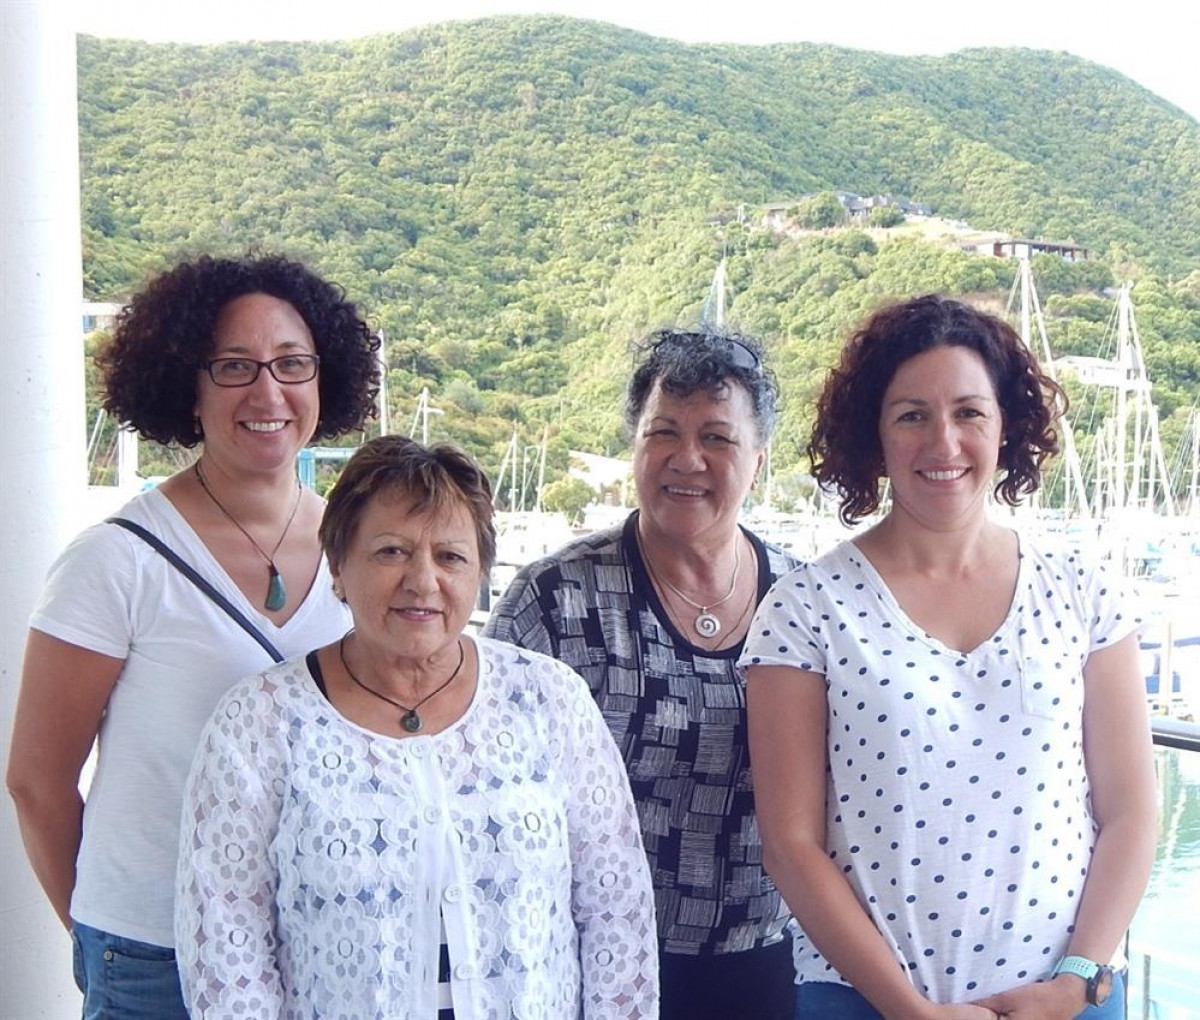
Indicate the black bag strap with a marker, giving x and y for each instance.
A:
(188, 571)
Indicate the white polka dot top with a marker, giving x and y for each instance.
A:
(958, 804)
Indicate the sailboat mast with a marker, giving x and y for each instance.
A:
(512, 490)
(421, 401)
(1139, 408)
(541, 482)
(424, 410)
(508, 462)
(1031, 313)
(385, 426)
(1122, 400)
(1194, 501)
(1026, 291)
(713, 313)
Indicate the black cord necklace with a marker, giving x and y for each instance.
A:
(410, 721)
(276, 589)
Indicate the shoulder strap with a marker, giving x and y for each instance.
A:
(192, 575)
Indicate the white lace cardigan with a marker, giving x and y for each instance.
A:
(318, 858)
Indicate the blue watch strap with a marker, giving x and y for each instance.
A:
(1078, 965)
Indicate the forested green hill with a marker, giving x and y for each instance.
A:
(514, 199)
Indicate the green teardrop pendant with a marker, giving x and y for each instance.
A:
(276, 591)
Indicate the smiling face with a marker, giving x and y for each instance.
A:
(695, 459)
(940, 427)
(411, 580)
(263, 426)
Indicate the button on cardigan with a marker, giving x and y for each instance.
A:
(319, 859)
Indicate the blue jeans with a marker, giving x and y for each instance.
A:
(824, 1000)
(123, 979)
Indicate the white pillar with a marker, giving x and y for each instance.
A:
(42, 467)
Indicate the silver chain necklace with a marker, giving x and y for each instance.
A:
(705, 624)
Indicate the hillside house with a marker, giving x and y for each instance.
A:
(1024, 248)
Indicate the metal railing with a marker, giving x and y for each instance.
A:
(1163, 947)
(1177, 733)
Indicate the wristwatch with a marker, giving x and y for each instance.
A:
(1099, 977)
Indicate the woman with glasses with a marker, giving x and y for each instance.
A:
(653, 614)
(247, 360)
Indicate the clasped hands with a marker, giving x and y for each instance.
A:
(1060, 999)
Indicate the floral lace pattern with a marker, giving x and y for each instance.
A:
(319, 860)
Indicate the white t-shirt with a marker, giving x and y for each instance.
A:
(958, 803)
(111, 593)
(319, 858)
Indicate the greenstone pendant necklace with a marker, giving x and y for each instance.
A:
(276, 589)
(411, 720)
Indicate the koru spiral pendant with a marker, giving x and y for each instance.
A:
(706, 625)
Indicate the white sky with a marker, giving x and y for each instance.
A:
(1148, 41)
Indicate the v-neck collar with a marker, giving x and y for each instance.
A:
(216, 573)
(877, 584)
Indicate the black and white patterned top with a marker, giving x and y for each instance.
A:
(677, 712)
(958, 800)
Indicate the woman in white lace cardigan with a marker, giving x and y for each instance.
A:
(411, 822)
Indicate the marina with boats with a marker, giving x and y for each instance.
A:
(1120, 499)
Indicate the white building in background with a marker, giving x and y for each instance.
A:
(607, 474)
(99, 315)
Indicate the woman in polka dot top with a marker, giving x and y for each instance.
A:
(952, 763)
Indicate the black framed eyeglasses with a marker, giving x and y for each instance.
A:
(288, 369)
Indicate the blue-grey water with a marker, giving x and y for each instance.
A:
(1164, 958)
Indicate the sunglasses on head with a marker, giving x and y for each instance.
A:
(741, 354)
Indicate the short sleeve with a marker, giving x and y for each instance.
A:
(786, 630)
(88, 597)
(519, 618)
(1112, 612)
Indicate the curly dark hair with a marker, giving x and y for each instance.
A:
(435, 477)
(685, 362)
(165, 334)
(845, 448)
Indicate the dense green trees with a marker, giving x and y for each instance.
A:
(819, 212)
(514, 200)
(569, 496)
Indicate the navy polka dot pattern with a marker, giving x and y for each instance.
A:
(958, 804)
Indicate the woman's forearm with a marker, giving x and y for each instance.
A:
(64, 691)
(824, 904)
(788, 746)
(1120, 765)
(51, 822)
(1117, 876)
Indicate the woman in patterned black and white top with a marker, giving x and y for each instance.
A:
(653, 614)
(409, 823)
(952, 761)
